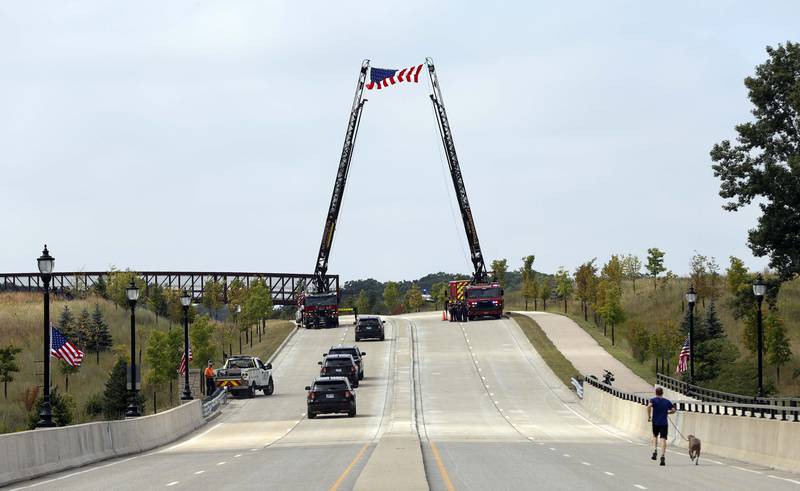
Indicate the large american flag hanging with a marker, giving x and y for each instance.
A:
(683, 357)
(61, 347)
(182, 366)
(384, 77)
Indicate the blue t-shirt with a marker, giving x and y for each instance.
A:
(661, 407)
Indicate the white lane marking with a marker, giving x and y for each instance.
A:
(609, 473)
(714, 462)
(553, 449)
(566, 455)
(484, 378)
(586, 463)
(237, 455)
(172, 483)
(496, 402)
(791, 480)
(75, 474)
(491, 393)
(221, 463)
(254, 450)
(639, 486)
(199, 472)
(746, 470)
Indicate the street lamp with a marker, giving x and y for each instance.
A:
(760, 289)
(46, 263)
(186, 300)
(691, 298)
(133, 295)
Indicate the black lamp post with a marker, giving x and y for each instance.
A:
(691, 298)
(133, 295)
(186, 300)
(46, 264)
(760, 289)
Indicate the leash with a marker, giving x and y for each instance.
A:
(676, 429)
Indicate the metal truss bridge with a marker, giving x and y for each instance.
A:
(284, 287)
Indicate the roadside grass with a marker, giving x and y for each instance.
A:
(21, 326)
(557, 362)
(655, 307)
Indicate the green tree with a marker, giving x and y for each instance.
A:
(763, 164)
(714, 281)
(500, 267)
(564, 286)
(118, 282)
(544, 292)
(439, 293)
(362, 304)
(414, 300)
(699, 276)
(711, 323)
(638, 339)
(632, 269)
(737, 275)
(528, 279)
(163, 355)
(237, 292)
(61, 406)
(257, 305)
(655, 264)
(98, 337)
(779, 349)
(8, 365)
(83, 328)
(585, 280)
(157, 301)
(391, 297)
(212, 297)
(115, 396)
(610, 309)
(67, 324)
(201, 337)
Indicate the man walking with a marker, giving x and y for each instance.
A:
(209, 375)
(658, 410)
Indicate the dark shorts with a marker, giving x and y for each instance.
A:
(660, 431)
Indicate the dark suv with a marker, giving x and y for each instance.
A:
(331, 395)
(369, 327)
(340, 366)
(349, 349)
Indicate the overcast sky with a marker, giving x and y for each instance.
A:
(205, 135)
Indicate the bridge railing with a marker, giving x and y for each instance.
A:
(764, 408)
(711, 395)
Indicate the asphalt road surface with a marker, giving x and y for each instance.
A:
(443, 405)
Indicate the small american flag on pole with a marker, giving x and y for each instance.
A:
(380, 78)
(182, 366)
(683, 357)
(61, 347)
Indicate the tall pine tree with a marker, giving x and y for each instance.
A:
(66, 323)
(99, 337)
(83, 329)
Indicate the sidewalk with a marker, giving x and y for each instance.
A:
(583, 351)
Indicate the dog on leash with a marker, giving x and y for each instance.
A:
(694, 449)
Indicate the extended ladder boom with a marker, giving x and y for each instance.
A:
(478, 264)
(321, 268)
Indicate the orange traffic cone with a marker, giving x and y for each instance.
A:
(444, 315)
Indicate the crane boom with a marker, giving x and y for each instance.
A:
(321, 267)
(480, 273)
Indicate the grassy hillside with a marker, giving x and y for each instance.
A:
(21, 326)
(654, 307)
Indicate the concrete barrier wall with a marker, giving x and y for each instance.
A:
(771, 443)
(34, 453)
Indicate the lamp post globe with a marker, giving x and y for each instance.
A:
(132, 291)
(759, 290)
(46, 263)
(691, 299)
(186, 301)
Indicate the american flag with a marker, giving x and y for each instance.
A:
(182, 366)
(384, 77)
(683, 357)
(61, 347)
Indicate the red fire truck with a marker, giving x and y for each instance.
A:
(474, 300)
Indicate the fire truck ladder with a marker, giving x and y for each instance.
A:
(480, 275)
(321, 267)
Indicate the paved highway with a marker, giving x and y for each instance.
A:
(443, 405)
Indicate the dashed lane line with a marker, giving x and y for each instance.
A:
(172, 483)
(608, 473)
(746, 470)
(221, 463)
(199, 472)
(586, 463)
(639, 486)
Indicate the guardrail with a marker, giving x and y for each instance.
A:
(212, 405)
(711, 395)
(762, 409)
(578, 386)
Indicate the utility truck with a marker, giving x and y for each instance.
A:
(244, 375)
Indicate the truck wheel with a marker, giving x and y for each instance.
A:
(311, 415)
(382, 338)
(251, 392)
(358, 339)
(270, 388)
(352, 412)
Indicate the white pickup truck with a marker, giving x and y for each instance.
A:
(244, 375)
